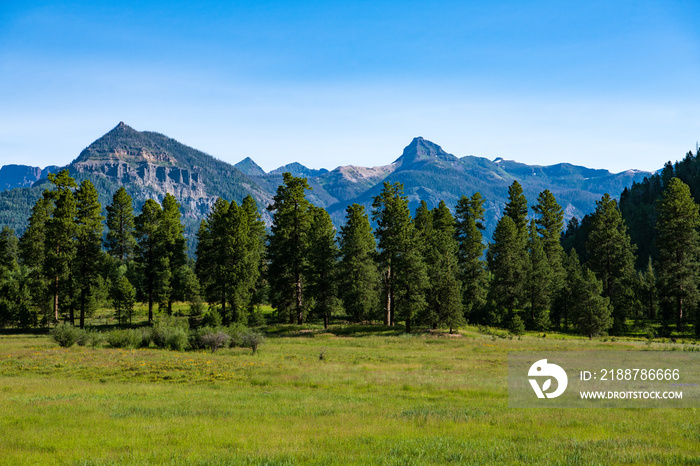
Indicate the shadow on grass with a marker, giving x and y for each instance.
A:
(346, 330)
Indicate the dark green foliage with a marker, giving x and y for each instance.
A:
(550, 223)
(469, 228)
(505, 262)
(229, 258)
(591, 311)
(173, 248)
(150, 260)
(88, 245)
(323, 265)
(516, 208)
(59, 241)
(647, 292)
(123, 299)
(563, 302)
(444, 290)
(611, 258)
(358, 278)
(120, 241)
(679, 251)
(516, 326)
(403, 270)
(9, 249)
(288, 246)
(539, 281)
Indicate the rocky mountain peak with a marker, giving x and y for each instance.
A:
(422, 150)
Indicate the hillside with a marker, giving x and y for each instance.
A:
(150, 164)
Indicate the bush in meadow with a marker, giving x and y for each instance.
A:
(124, 338)
(65, 334)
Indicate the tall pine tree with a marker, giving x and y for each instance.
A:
(358, 277)
(288, 246)
(88, 245)
(679, 251)
(469, 228)
(59, 243)
(323, 265)
(611, 258)
(120, 241)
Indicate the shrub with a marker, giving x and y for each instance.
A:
(195, 337)
(236, 332)
(146, 337)
(124, 338)
(65, 334)
(84, 337)
(171, 333)
(252, 340)
(215, 340)
(97, 339)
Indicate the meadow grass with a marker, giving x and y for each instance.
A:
(377, 397)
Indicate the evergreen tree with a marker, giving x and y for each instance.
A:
(88, 244)
(647, 290)
(591, 310)
(539, 280)
(358, 277)
(120, 241)
(33, 256)
(123, 299)
(237, 263)
(444, 292)
(505, 262)
(257, 236)
(9, 249)
(679, 249)
(516, 209)
(469, 227)
(400, 259)
(174, 247)
(563, 303)
(288, 246)
(611, 258)
(59, 240)
(211, 254)
(323, 265)
(550, 225)
(151, 261)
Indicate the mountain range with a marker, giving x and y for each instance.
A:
(150, 164)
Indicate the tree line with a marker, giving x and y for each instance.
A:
(430, 269)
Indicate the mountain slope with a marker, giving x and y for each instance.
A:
(150, 164)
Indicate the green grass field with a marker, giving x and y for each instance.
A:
(377, 397)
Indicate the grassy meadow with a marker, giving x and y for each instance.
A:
(354, 394)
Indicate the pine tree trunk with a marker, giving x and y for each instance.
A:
(150, 307)
(300, 316)
(55, 300)
(408, 325)
(82, 309)
(325, 321)
(387, 317)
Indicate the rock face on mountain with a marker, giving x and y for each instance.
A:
(150, 164)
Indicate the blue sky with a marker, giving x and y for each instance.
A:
(603, 84)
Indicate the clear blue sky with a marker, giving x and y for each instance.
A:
(603, 84)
